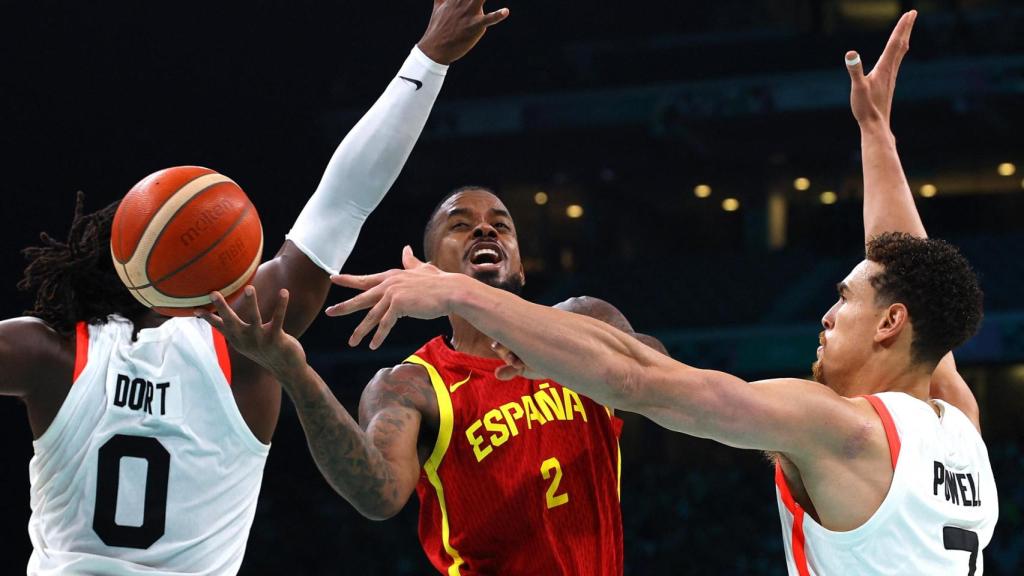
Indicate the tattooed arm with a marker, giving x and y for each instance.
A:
(374, 469)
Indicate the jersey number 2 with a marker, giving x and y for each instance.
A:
(959, 539)
(108, 479)
(554, 499)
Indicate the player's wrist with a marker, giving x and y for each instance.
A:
(877, 128)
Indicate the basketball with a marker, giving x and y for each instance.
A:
(181, 233)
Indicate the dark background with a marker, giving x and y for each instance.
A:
(621, 108)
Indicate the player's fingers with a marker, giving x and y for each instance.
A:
(363, 301)
(492, 18)
(362, 282)
(277, 320)
(250, 307)
(214, 320)
(899, 41)
(508, 356)
(227, 314)
(371, 320)
(507, 372)
(387, 322)
(855, 67)
(409, 260)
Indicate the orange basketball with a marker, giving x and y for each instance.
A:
(182, 233)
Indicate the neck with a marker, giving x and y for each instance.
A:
(469, 340)
(883, 376)
(147, 319)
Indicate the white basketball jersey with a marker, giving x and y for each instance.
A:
(937, 517)
(148, 467)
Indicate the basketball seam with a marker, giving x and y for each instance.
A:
(120, 222)
(194, 259)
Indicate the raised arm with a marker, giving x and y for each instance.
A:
(888, 201)
(366, 164)
(375, 469)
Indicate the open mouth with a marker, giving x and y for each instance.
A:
(485, 255)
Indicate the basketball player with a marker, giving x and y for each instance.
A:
(873, 475)
(517, 477)
(151, 434)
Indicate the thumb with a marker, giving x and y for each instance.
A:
(488, 20)
(855, 67)
(409, 261)
(507, 372)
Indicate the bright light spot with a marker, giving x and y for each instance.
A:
(702, 191)
(1007, 169)
(730, 204)
(929, 190)
(801, 184)
(574, 211)
(540, 198)
(828, 197)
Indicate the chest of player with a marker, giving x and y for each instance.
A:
(502, 425)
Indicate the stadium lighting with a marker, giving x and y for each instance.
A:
(1007, 169)
(730, 204)
(929, 190)
(828, 197)
(574, 211)
(702, 191)
(540, 198)
(801, 184)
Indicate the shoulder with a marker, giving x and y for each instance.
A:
(404, 385)
(598, 309)
(33, 355)
(30, 338)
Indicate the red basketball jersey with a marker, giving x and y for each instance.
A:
(524, 477)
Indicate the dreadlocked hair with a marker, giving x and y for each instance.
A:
(74, 280)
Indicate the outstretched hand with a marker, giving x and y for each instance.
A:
(455, 27)
(871, 95)
(420, 290)
(267, 344)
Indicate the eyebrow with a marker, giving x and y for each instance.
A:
(842, 288)
(466, 212)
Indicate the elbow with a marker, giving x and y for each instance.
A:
(624, 382)
(378, 511)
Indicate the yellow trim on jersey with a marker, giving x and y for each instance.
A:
(444, 437)
(618, 460)
(618, 470)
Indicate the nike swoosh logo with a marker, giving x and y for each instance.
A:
(415, 83)
(455, 386)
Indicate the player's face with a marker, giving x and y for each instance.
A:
(474, 234)
(848, 339)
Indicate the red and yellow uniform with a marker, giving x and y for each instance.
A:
(524, 476)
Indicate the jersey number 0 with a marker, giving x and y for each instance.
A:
(108, 479)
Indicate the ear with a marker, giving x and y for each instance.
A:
(893, 322)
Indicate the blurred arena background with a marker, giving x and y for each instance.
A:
(695, 163)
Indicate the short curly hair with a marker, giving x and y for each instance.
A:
(936, 284)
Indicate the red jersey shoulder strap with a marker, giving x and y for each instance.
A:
(220, 345)
(797, 537)
(81, 349)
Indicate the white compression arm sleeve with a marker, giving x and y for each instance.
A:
(366, 164)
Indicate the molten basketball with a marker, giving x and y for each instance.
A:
(182, 233)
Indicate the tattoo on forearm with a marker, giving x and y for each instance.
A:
(350, 458)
